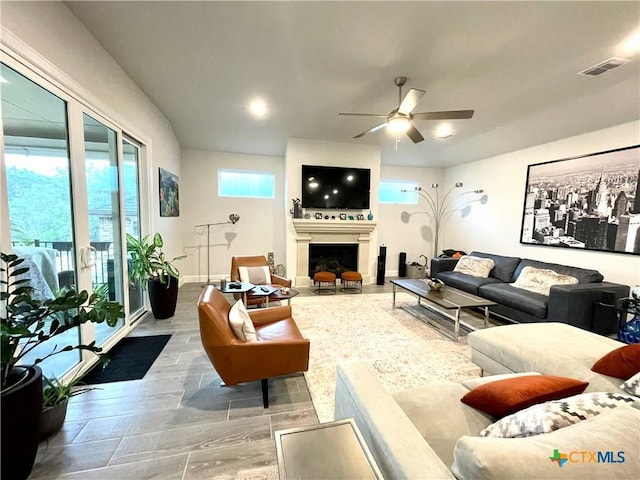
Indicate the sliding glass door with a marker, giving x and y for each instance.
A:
(73, 191)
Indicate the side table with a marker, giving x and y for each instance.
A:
(333, 450)
(243, 289)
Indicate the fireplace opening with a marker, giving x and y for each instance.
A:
(332, 257)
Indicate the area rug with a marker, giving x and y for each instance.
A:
(401, 350)
(130, 359)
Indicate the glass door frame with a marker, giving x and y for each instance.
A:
(76, 107)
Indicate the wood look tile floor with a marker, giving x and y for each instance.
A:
(177, 422)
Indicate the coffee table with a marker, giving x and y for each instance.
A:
(447, 299)
(333, 450)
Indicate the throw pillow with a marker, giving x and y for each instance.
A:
(241, 323)
(632, 385)
(474, 266)
(503, 397)
(539, 280)
(623, 362)
(549, 416)
(255, 275)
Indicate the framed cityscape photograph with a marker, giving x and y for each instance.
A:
(590, 202)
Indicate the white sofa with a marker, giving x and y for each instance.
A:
(428, 433)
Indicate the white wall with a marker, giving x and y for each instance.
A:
(261, 228)
(314, 152)
(495, 227)
(48, 34)
(406, 228)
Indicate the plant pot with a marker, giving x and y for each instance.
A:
(21, 412)
(163, 297)
(52, 419)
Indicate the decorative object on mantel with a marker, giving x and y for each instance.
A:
(233, 219)
(441, 209)
(351, 217)
(318, 216)
(590, 202)
(370, 216)
(360, 216)
(296, 211)
(343, 216)
(307, 216)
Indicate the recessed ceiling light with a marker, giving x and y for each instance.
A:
(444, 131)
(258, 108)
(631, 44)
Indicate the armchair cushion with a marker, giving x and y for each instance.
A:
(255, 275)
(241, 323)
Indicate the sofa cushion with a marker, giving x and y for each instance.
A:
(440, 419)
(632, 386)
(256, 275)
(520, 347)
(539, 280)
(533, 457)
(504, 397)
(623, 362)
(465, 282)
(518, 298)
(555, 414)
(503, 266)
(583, 275)
(474, 266)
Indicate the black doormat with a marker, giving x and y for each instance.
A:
(130, 359)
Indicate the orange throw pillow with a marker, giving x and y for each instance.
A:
(623, 362)
(504, 397)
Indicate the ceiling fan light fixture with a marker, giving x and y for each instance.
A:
(398, 124)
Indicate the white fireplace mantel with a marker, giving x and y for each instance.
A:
(332, 231)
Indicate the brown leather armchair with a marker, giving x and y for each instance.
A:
(279, 350)
(255, 261)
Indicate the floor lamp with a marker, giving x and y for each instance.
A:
(233, 219)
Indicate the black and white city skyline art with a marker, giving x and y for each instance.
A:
(590, 202)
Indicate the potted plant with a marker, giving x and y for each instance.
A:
(150, 266)
(27, 323)
(55, 399)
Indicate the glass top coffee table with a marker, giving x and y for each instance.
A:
(442, 301)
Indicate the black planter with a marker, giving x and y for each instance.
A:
(21, 411)
(52, 419)
(163, 297)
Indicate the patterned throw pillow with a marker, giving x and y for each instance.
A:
(255, 275)
(632, 386)
(241, 323)
(539, 280)
(549, 416)
(474, 266)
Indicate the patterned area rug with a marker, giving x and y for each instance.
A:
(401, 350)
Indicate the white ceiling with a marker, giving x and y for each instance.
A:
(515, 63)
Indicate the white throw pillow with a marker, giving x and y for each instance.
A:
(241, 323)
(632, 386)
(555, 414)
(539, 280)
(474, 266)
(255, 275)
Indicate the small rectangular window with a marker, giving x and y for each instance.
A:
(246, 184)
(391, 191)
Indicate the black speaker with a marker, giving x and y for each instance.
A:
(402, 265)
(382, 261)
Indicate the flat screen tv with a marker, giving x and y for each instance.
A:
(335, 187)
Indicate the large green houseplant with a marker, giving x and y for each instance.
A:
(27, 323)
(150, 266)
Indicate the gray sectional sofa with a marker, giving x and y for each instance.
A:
(577, 304)
(428, 433)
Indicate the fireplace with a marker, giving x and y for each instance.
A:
(337, 232)
(333, 257)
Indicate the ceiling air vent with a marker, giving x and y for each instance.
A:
(603, 67)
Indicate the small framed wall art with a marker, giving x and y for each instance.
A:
(169, 199)
(343, 216)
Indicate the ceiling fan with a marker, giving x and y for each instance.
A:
(400, 120)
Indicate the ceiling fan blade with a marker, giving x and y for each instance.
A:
(371, 130)
(377, 115)
(410, 101)
(447, 115)
(414, 134)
